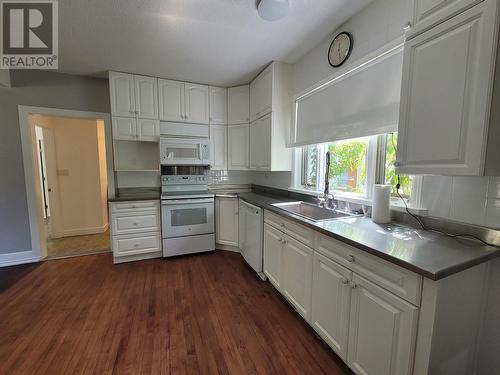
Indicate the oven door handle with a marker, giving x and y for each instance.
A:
(172, 202)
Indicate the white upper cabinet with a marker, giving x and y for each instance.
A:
(171, 100)
(124, 128)
(424, 14)
(218, 147)
(122, 93)
(382, 331)
(331, 298)
(270, 99)
(446, 95)
(148, 130)
(260, 144)
(131, 129)
(183, 102)
(261, 93)
(196, 103)
(133, 95)
(218, 105)
(238, 105)
(238, 142)
(146, 97)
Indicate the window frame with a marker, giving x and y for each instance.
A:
(375, 174)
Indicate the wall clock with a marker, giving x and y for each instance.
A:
(340, 49)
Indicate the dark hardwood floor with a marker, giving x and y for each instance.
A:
(202, 314)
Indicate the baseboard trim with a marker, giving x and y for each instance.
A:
(21, 257)
(234, 249)
(84, 231)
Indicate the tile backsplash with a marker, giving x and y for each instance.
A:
(473, 200)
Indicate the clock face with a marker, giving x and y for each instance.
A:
(340, 49)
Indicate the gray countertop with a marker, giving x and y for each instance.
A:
(427, 253)
(136, 194)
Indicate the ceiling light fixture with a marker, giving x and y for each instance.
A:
(272, 10)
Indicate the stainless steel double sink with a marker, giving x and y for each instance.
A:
(312, 212)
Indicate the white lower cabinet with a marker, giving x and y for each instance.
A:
(135, 230)
(382, 331)
(273, 255)
(297, 275)
(226, 217)
(331, 299)
(370, 327)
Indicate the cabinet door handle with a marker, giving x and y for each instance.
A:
(351, 258)
(282, 225)
(407, 26)
(345, 281)
(353, 285)
(135, 223)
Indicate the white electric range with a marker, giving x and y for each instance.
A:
(187, 211)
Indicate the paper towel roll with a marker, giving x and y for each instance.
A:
(381, 210)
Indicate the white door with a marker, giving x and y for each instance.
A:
(122, 94)
(237, 154)
(331, 298)
(218, 147)
(260, 144)
(238, 105)
(148, 130)
(297, 275)
(226, 216)
(382, 331)
(218, 105)
(426, 13)
(196, 103)
(124, 128)
(446, 92)
(273, 255)
(171, 100)
(146, 97)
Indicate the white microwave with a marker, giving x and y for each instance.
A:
(184, 151)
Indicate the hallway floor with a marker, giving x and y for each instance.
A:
(202, 314)
(78, 245)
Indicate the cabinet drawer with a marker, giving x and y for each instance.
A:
(133, 244)
(400, 281)
(135, 222)
(294, 230)
(134, 206)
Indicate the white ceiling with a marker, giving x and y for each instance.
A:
(219, 42)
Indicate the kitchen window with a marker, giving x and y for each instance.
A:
(355, 166)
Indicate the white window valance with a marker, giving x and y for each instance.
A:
(361, 100)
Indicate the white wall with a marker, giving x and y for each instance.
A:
(377, 24)
(80, 189)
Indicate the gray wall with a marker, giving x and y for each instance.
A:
(42, 89)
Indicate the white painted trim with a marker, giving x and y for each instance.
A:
(85, 231)
(20, 257)
(35, 254)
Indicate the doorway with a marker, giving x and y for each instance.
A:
(69, 176)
